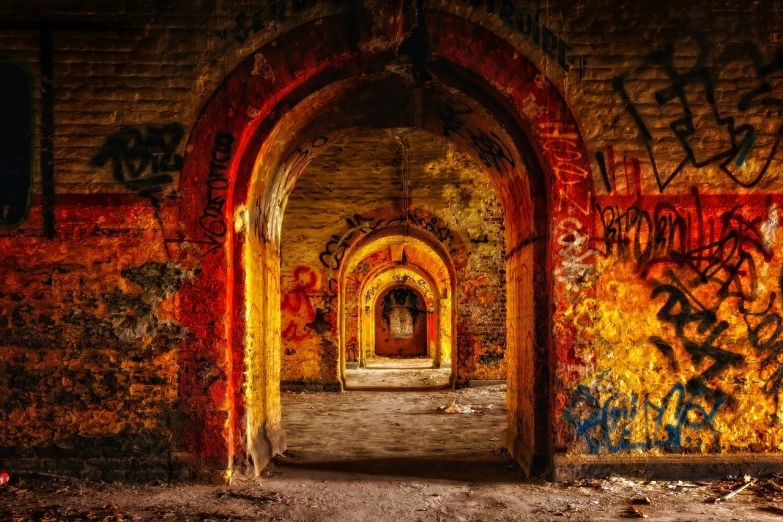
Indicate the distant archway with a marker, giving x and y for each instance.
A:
(400, 315)
(437, 301)
(426, 263)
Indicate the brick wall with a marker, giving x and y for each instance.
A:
(90, 319)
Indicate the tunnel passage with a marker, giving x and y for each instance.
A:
(296, 117)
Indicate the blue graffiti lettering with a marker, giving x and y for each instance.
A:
(681, 422)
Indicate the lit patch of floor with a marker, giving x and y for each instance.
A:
(398, 433)
(384, 372)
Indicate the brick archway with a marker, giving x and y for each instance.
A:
(517, 125)
(425, 260)
(417, 278)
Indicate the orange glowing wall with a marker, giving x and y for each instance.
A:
(633, 273)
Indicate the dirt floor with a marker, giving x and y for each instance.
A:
(384, 372)
(383, 456)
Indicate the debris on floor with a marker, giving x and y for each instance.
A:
(736, 490)
(768, 487)
(633, 512)
(458, 408)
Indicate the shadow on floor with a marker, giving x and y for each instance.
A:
(476, 467)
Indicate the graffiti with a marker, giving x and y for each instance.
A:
(682, 309)
(15, 146)
(249, 23)
(572, 194)
(404, 279)
(562, 141)
(213, 220)
(645, 236)
(766, 338)
(434, 226)
(670, 235)
(331, 257)
(491, 150)
(681, 422)
(370, 294)
(704, 262)
(710, 129)
(721, 268)
(297, 302)
(632, 171)
(575, 252)
(292, 167)
(529, 24)
(143, 161)
(365, 266)
(358, 226)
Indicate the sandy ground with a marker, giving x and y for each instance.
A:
(383, 372)
(396, 378)
(382, 456)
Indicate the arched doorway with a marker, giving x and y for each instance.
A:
(258, 132)
(414, 258)
(400, 323)
(435, 303)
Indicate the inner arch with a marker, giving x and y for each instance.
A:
(345, 109)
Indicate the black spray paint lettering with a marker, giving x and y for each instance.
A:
(489, 148)
(249, 23)
(668, 236)
(529, 24)
(680, 310)
(434, 226)
(709, 130)
(213, 221)
(331, 257)
(717, 260)
(645, 236)
(142, 161)
(766, 336)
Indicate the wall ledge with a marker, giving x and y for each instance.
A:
(665, 467)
